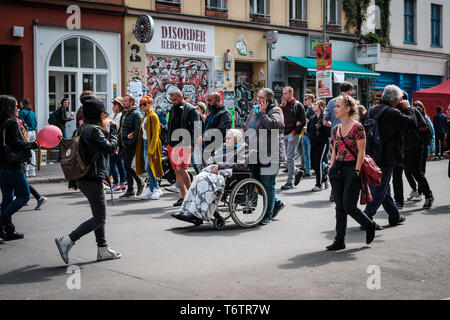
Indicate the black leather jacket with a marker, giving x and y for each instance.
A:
(97, 148)
(190, 120)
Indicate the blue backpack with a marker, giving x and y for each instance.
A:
(374, 141)
(52, 118)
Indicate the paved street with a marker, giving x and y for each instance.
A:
(164, 258)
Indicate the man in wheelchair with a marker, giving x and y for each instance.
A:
(207, 186)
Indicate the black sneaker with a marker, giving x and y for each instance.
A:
(336, 246)
(276, 210)
(298, 177)
(41, 202)
(127, 194)
(178, 203)
(399, 205)
(2, 232)
(370, 233)
(287, 186)
(140, 189)
(428, 203)
(14, 236)
(307, 175)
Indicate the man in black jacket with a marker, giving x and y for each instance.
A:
(216, 125)
(413, 150)
(391, 123)
(61, 116)
(97, 149)
(183, 116)
(294, 121)
(128, 135)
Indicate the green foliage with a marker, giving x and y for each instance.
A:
(356, 12)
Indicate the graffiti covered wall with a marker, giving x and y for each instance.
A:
(190, 75)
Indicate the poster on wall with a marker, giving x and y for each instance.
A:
(324, 84)
(324, 56)
(190, 75)
(278, 90)
(220, 79)
(136, 89)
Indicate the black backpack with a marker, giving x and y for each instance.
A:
(374, 141)
(52, 118)
(73, 161)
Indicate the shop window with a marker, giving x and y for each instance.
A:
(168, 5)
(436, 25)
(71, 53)
(86, 53)
(56, 59)
(216, 8)
(100, 59)
(259, 11)
(409, 21)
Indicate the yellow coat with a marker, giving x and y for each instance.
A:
(153, 129)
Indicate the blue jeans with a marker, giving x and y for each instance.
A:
(382, 196)
(13, 183)
(152, 182)
(268, 181)
(117, 169)
(306, 145)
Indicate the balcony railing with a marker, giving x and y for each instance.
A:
(298, 23)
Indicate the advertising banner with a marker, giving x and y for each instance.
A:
(324, 84)
(324, 56)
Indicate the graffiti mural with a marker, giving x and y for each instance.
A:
(165, 73)
(244, 96)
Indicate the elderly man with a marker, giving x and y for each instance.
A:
(294, 121)
(183, 116)
(394, 118)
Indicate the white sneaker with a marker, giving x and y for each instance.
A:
(417, 198)
(160, 191)
(156, 195)
(64, 245)
(412, 195)
(316, 189)
(173, 188)
(147, 196)
(105, 253)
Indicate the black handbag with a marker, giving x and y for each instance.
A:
(13, 156)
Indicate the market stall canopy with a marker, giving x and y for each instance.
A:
(351, 69)
(434, 97)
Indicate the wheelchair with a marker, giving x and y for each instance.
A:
(243, 198)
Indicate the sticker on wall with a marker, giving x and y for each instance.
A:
(261, 75)
(241, 46)
(228, 77)
(134, 57)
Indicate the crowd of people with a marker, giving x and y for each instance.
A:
(330, 140)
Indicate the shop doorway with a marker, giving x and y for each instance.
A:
(297, 85)
(11, 71)
(244, 93)
(75, 65)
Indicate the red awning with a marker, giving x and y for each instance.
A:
(434, 97)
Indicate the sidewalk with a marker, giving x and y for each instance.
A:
(51, 172)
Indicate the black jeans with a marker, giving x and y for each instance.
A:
(318, 153)
(346, 186)
(128, 155)
(93, 190)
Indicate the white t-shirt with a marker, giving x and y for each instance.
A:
(144, 132)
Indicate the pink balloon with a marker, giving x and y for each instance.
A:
(48, 137)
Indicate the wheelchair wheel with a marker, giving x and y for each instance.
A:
(219, 223)
(248, 203)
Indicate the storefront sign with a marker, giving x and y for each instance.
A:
(182, 39)
(312, 43)
(241, 47)
(324, 56)
(144, 28)
(368, 54)
(324, 84)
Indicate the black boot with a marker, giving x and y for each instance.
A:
(370, 233)
(2, 232)
(337, 245)
(11, 233)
